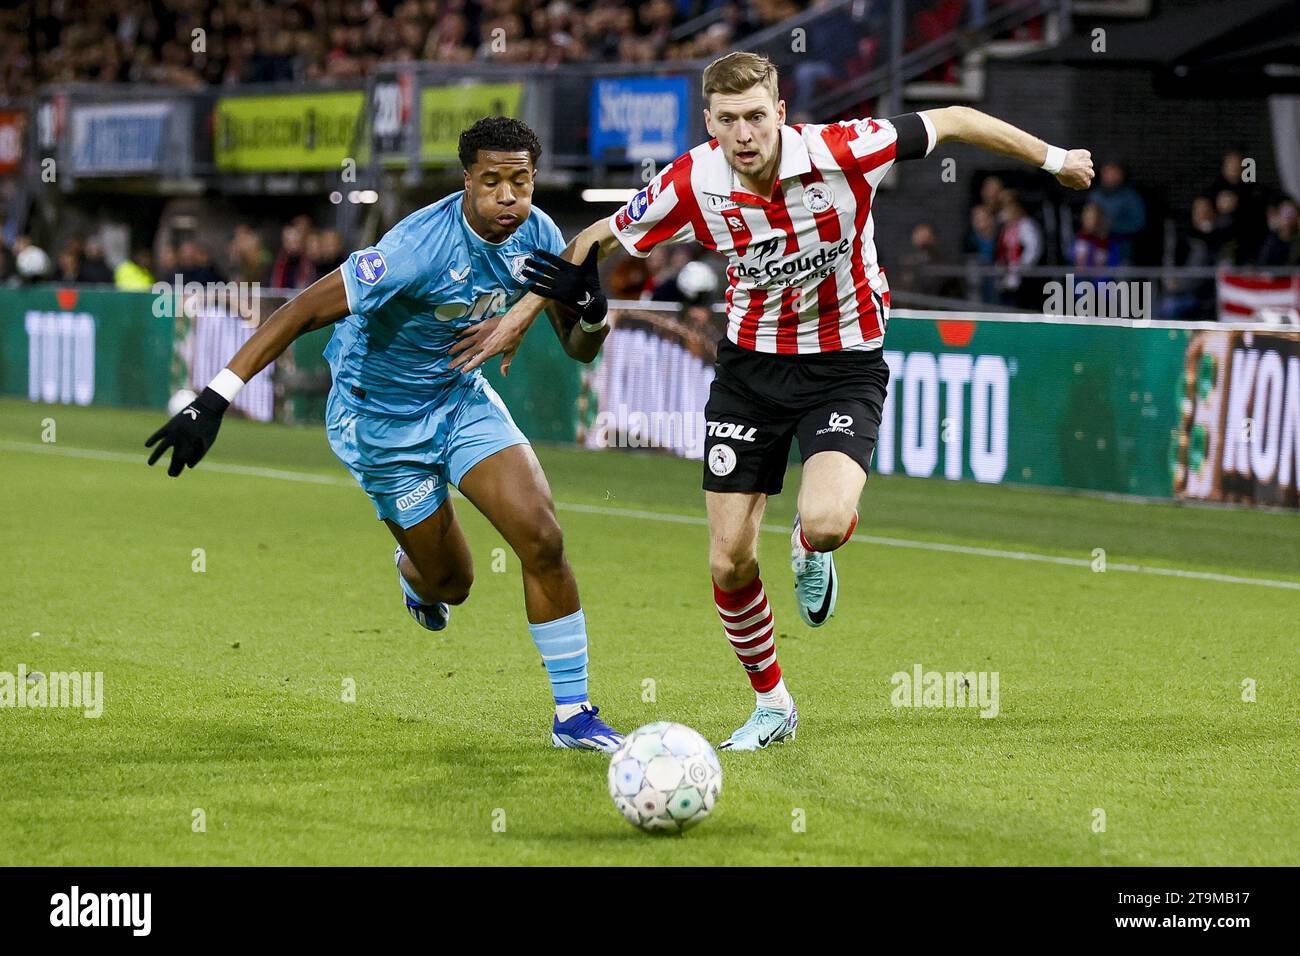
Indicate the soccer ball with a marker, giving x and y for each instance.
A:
(665, 777)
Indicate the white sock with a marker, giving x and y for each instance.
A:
(778, 698)
(566, 711)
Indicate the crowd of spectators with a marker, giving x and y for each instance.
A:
(303, 254)
(684, 274)
(1233, 222)
(193, 43)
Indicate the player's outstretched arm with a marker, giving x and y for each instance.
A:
(480, 342)
(577, 309)
(191, 432)
(1072, 168)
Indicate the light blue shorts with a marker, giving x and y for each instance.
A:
(406, 464)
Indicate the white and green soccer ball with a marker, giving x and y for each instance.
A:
(665, 777)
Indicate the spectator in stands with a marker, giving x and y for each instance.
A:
(133, 274)
(1193, 297)
(329, 253)
(1249, 223)
(981, 248)
(250, 261)
(992, 194)
(1020, 246)
(1228, 228)
(913, 274)
(665, 288)
(1092, 248)
(1282, 245)
(93, 269)
(448, 41)
(292, 269)
(69, 262)
(195, 264)
(168, 262)
(864, 60)
(630, 277)
(1123, 208)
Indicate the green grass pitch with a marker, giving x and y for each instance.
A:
(1120, 691)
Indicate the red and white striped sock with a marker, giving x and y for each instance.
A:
(803, 542)
(748, 623)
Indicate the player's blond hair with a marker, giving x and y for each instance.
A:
(737, 72)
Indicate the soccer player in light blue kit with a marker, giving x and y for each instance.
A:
(408, 425)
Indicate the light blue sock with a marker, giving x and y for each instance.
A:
(406, 585)
(563, 646)
(410, 591)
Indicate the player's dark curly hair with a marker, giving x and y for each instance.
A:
(500, 133)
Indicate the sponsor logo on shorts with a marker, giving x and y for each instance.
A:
(413, 498)
(371, 267)
(818, 197)
(732, 430)
(838, 423)
(722, 460)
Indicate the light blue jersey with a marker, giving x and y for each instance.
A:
(428, 278)
(403, 421)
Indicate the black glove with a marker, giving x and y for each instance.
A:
(190, 433)
(576, 285)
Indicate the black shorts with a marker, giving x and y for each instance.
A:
(760, 401)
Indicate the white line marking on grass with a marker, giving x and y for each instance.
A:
(249, 470)
(698, 520)
(956, 549)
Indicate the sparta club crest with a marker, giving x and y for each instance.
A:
(818, 197)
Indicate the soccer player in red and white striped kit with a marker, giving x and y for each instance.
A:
(807, 305)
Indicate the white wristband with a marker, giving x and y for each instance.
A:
(593, 329)
(1055, 159)
(226, 384)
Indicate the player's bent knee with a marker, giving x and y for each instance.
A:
(731, 572)
(543, 550)
(455, 587)
(825, 531)
(456, 595)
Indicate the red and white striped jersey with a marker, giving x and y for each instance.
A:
(803, 275)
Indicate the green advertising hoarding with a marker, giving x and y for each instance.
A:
(1042, 403)
(447, 110)
(1160, 411)
(83, 347)
(304, 132)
